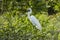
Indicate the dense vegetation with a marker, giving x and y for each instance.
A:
(15, 25)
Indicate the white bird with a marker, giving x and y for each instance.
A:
(34, 21)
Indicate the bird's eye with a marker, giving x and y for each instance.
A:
(28, 10)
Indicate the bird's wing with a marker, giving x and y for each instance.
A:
(35, 22)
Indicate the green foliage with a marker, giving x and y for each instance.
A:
(18, 27)
(15, 25)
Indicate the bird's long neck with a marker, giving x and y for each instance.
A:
(28, 15)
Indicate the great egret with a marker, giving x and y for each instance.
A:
(34, 21)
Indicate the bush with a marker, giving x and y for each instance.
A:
(19, 27)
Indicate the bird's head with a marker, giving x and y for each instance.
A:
(29, 10)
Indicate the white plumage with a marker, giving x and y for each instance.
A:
(34, 21)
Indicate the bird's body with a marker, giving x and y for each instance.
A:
(34, 21)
